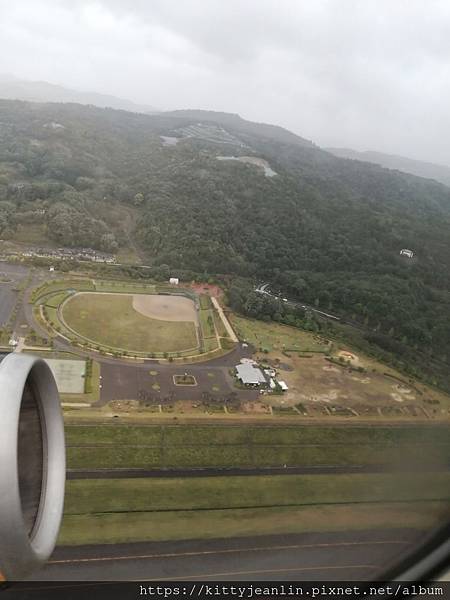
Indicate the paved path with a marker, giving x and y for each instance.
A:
(20, 345)
(225, 321)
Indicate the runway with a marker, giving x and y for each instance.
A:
(223, 472)
(352, 556)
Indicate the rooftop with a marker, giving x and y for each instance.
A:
(249, 374)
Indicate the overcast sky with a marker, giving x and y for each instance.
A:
(366, 74)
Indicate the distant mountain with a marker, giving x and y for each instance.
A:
(198, 193)
(234, 121)
(400, 163)
(12, 88)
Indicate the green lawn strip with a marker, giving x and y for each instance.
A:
(113, 457)
(208, 493)
(207, 323)
(177, 525)
(91, 315)
(63, 286)
(355, 454)
(124, 287)
(51, 314)
(121, 456)
(210, 344)
(61, 355)
(222, 446)
(205, 301)
(383, 435)
(220, 327)
(207, 456)
(55, 300)
(267, 435)
(271, 435)
(110, 434)
(132, 457)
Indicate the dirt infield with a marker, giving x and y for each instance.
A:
(165, 308)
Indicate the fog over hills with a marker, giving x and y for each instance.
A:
(209, 193)
(13, 88)
(400, 163)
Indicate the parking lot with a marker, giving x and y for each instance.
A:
(155, 384)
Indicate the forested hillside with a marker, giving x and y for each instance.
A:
(326, 230)
(401, 163)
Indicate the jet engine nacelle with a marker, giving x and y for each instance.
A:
(32, 464)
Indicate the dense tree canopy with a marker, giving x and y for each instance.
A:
(325, 230)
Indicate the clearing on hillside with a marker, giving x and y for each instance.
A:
(111, 320)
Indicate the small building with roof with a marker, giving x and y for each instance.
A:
(250, 375)
(406, 252)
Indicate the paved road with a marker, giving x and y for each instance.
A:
(225, 472)
(224, 319)
(8, 299)
(308, 556)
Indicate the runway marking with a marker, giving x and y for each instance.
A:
(225, 551)
(261, 572)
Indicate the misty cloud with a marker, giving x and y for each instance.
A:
(372, 74)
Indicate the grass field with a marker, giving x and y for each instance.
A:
(227, 446)
(177, 525)
(62, 286)
(111, 321)
(124, 287)
(175, 435)
(220, 327)
(55, 300)
(207, 323)
(213, 493)
(114, 510)
(273, 336)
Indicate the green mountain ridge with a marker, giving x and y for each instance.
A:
(325, 230)
(420, 168)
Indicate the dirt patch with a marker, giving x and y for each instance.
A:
(255, 408)
(349, 356)
(275, 362)
(285, 367)
(329, 396)
(329, 367)
(402, 393)
(165, 308)
(397, 397)
(207, 288)
(364, 380)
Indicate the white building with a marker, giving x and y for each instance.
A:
(406, 252)
(250, 375)
(283, 386)
(174, 281)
